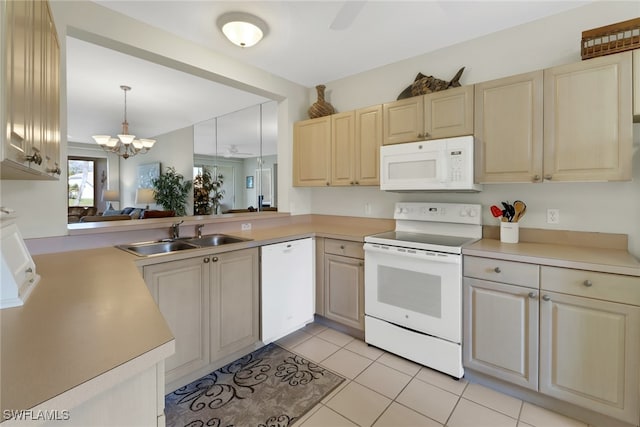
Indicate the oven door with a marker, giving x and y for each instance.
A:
(417, 289)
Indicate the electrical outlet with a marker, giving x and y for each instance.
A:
(367, 208)
(246, 226)
(553, 216)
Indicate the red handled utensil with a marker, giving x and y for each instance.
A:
(496, 211)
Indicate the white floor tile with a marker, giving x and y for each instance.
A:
(346, 363)
(383, 379)
(325, 417)
(429, 400)
(335, 337)
(442, 380)
(470, 414)
(315, 349)
(314, 328)
(293, 339)
(400, 364)
(306, 416)
(364, 349)
(492, 399)
(359, 404)
(335, 391)
(540, 417)
(401, 416)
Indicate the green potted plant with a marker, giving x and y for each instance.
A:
(202, 187)
(171, 191)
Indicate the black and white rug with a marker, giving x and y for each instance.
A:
(270, 387)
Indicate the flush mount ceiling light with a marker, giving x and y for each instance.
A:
(125, 145)
(242, 29)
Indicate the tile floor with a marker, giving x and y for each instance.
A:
(382, 389)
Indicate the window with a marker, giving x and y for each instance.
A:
(82, 191)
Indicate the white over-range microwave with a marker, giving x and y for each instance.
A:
(436, 165)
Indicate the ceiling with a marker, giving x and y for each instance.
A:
(300, 46)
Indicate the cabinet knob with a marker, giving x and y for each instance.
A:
(351, 183)
(546, 297)
(426, 135)
(206, 260)
(342, 247)
(497, 270)
(214, 259)
(327, 184)
(588, 283)
(536, 178)
(357, 183)
(548, 177)
(420, 135)
(532, 294)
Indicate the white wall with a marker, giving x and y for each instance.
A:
(601, 207)
(42, 206)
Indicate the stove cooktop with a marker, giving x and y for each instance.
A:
(434, 242)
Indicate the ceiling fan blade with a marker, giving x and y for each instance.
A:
(346, 15)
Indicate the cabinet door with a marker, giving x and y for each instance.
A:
(51, 109)
(636, 85)
(343, 148)
(588, 120)
(312, 152)
(509, 129)
(448, 113)
(589, 352)
(344, 290)
(18, 18)
(403, 120)
(234, 302)
(500, 335)
(181, 290)
(368, 142)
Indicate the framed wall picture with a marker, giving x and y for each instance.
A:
(147, 173)
(249, 181)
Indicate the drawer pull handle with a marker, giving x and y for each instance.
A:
(532, 294)
(497, 270)
(206, 260)
(546, 298)
(588, 283)
(214, 259)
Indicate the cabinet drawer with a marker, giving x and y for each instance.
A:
(591, 284)
(514, 273)
(344, 248)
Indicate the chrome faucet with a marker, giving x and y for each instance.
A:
(175, 229)
(199, 230)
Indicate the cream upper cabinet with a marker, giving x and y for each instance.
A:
(30, 80)
(509, 129)
(235, 303)
(442, 114)
(312, 152)
(588, 120)
(368, 142)
(636, 85)
(343, 148)
(339, 150)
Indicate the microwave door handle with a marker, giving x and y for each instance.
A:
(444, 169)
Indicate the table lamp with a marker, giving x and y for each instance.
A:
(110, 196)
(145, 196)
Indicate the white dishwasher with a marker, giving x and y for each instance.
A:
(287, 288)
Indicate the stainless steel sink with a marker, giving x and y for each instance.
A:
(166, 246)
(154, 248)
(215, 240)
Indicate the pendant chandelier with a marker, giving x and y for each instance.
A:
(124, 145)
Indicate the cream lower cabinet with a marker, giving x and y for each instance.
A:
(500, 327)
(181, 290)
(344, 282)
(210, 304)
(235, 304)
(577, 339)
(590, 340)
(442, 114)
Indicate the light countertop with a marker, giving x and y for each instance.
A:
(616, 261)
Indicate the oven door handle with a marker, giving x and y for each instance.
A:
(429, 256)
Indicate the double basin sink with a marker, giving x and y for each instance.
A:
(175, 245)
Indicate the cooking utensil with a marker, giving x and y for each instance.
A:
(496, 211)
(520, 209)
(510, 211)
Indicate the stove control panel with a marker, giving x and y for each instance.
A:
(439, 212)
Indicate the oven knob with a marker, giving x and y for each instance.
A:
(463, 212)
(472, 212)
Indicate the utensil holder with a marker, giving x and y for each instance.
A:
(509, 232)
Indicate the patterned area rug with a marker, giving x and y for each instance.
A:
(270, 387)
